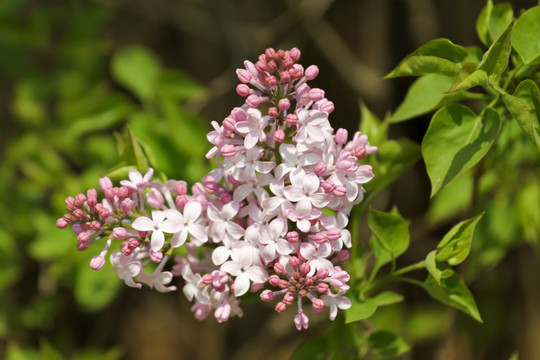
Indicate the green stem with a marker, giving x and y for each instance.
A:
(394, 276)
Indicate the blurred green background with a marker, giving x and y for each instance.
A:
(73, 74)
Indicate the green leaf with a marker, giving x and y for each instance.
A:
(456, 244)
(314, 348)
(387, 344)
(452, 291)
(388, 298)
(425, 94)
(372, 126)
(137, 69)
(501, 17)
(456, 140)
(439, 56)
(528, 212)
(431, 266)
(495, 60)
(467, 78)
(482, 23)
(524, 106)
(526, 35)
(360, 310)
(391, 230)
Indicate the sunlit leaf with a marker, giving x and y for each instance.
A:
(456, 244)
(526, 35)
(391, 230)
(439, 56)
(495, 60)
(456, 140)
(452, 291)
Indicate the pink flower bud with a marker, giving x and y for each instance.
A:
(242, 90)
(340, 190)
(325, 105)
(79, 200)
(333, 234)
(271, 65)
(301, 321)
(285, 76)
(181, 188)
(207, 279)
(287, 63)
(243, 75)
(271, 80)
(343, 255)
(288, 298)
(294, 53)
(328, 186)
(105, 183)
(320, 237)
(109, 193)
(239, 114)
(279, 135)
(318, 304)
(134, 242)
(91, 197)
(312, 72)
(256, 287)
(79, 214)
(305, 268)
(273, 112)
(280, 307)
(278, 268)
(181, 201)
(127, 205)
(296, 71)
(322, 288)
(284, 104)
(156, 256)
(82, 245)
(126, 248)
(273, 280)
(222, 313)
(70, 203)
(270, 53)
(283, 284)
(211, 187)
(303, 89)
(294, 261)
(260, 66)
(225, 198)
(316, 94)
(360, 152)
(61, 223)
(97, 262)
(292, 236)
(291, 119)
(320, 169)
(119, 233)
(155, 199)
(253, 101)
(341, 136)
(322, 274)
(123, 192)
(67, 217)
(104, 213)
(228, 150)
(267, 295)
(83, 236)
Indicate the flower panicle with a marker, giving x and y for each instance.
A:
(271, 218)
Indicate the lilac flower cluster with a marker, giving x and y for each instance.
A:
(270, 218)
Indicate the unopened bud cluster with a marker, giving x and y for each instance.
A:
(270, 219)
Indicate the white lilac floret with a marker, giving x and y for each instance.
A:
(270, 219)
